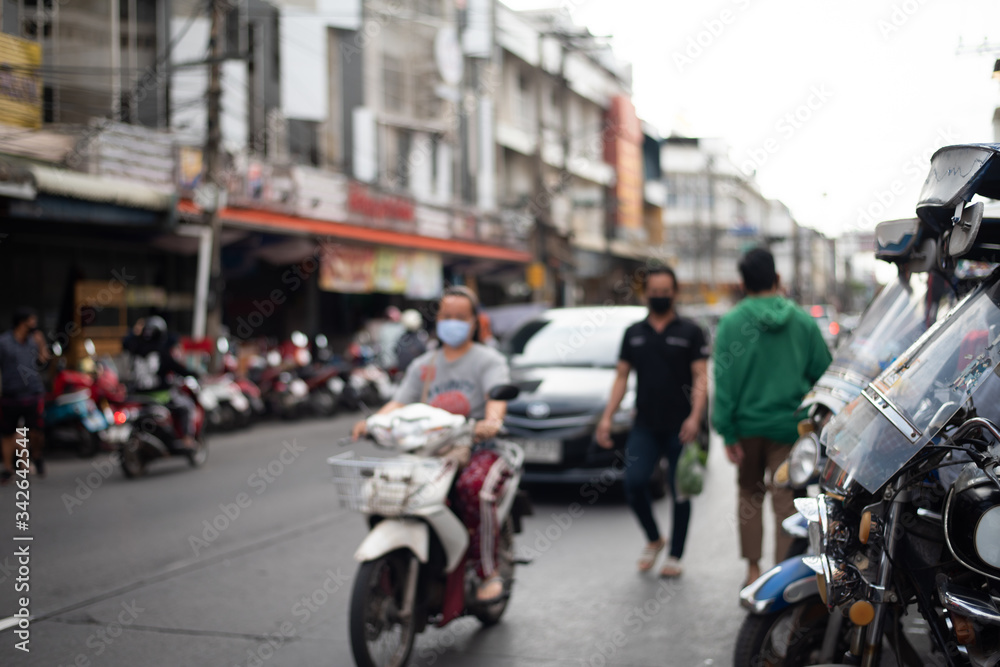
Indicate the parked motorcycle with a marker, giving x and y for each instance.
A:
(414, 569)
(71, 414)
(283, 393)
(788, 624)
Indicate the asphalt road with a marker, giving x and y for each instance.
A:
(248, 561)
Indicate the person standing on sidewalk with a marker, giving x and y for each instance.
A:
(669, 356)
(23, 351)
(768, 354)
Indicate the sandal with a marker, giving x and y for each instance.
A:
(671, 567)
(649, 554)
(489, 592)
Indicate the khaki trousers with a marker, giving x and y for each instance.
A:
(760, 455)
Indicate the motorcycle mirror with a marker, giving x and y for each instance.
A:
(90, 347)
(57, 349)
(504, 392)
(895, 239)
(963, 235)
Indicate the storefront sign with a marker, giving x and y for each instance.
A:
(320, 194)
(347, 269)
(623, 150)
(426, 280)
(20, 82)
(392, 270)
(377, 207)
(189, 169)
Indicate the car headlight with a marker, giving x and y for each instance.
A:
(803, 460)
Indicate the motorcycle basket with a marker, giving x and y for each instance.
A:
(385, 487)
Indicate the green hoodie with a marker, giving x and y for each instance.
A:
(768, 354)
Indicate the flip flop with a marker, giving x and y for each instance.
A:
(649, 554)
(671, 567)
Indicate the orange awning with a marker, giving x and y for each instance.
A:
(280, 222)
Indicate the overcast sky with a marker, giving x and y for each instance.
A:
(838, 106)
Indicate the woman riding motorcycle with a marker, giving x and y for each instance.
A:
(457, 377)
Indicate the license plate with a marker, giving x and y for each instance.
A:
(116, 434)
(541, 451)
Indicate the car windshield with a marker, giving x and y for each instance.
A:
(906, 406)
(587, 339)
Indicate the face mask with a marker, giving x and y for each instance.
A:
(453, 332)
(660, 304)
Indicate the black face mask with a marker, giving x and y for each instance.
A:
(660, 304)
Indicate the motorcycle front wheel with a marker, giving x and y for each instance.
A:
(792, 636)
(382, 631)
(133, 462)
(198, 457)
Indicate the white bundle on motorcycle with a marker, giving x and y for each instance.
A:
(420, 429)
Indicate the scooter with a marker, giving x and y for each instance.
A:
(71, 414)
(149, 432)
(414, 568)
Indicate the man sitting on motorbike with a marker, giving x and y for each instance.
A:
(153, 362)
(457, 377)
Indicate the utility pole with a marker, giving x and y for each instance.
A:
(212, 166)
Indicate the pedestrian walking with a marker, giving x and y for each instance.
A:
(668, 354)
(23, 352)
(768, 354)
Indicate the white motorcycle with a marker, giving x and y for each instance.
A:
(414, 570)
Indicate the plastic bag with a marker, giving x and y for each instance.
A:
(690, 476)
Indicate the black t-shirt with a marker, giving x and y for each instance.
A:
(662, 363)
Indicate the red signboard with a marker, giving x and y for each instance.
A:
(376, 206)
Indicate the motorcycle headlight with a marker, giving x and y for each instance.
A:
(972, 523)
(803, 460)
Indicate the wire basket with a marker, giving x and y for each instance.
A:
(379, 485)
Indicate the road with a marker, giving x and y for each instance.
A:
(248, 561)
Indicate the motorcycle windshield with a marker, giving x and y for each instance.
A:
(906, 406)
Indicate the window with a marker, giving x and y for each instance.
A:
(394, 84)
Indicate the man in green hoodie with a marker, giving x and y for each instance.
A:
(768, 354)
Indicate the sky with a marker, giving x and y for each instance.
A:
(836, 106)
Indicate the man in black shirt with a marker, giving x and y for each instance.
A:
(669, 356)
(23, 351)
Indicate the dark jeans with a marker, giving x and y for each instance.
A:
(643, 452)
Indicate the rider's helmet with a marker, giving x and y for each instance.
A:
(155, 328)
(412, 320)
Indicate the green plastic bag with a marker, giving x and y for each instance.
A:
(690, 476)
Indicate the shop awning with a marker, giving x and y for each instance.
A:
(281, 223)
(87, 187)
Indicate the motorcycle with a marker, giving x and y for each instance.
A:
(788, 622)
(147, 431)
(325, 381)
(283, 394)
(414, 570)
(71, 413)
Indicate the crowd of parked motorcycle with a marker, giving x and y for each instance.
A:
(93, 406)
